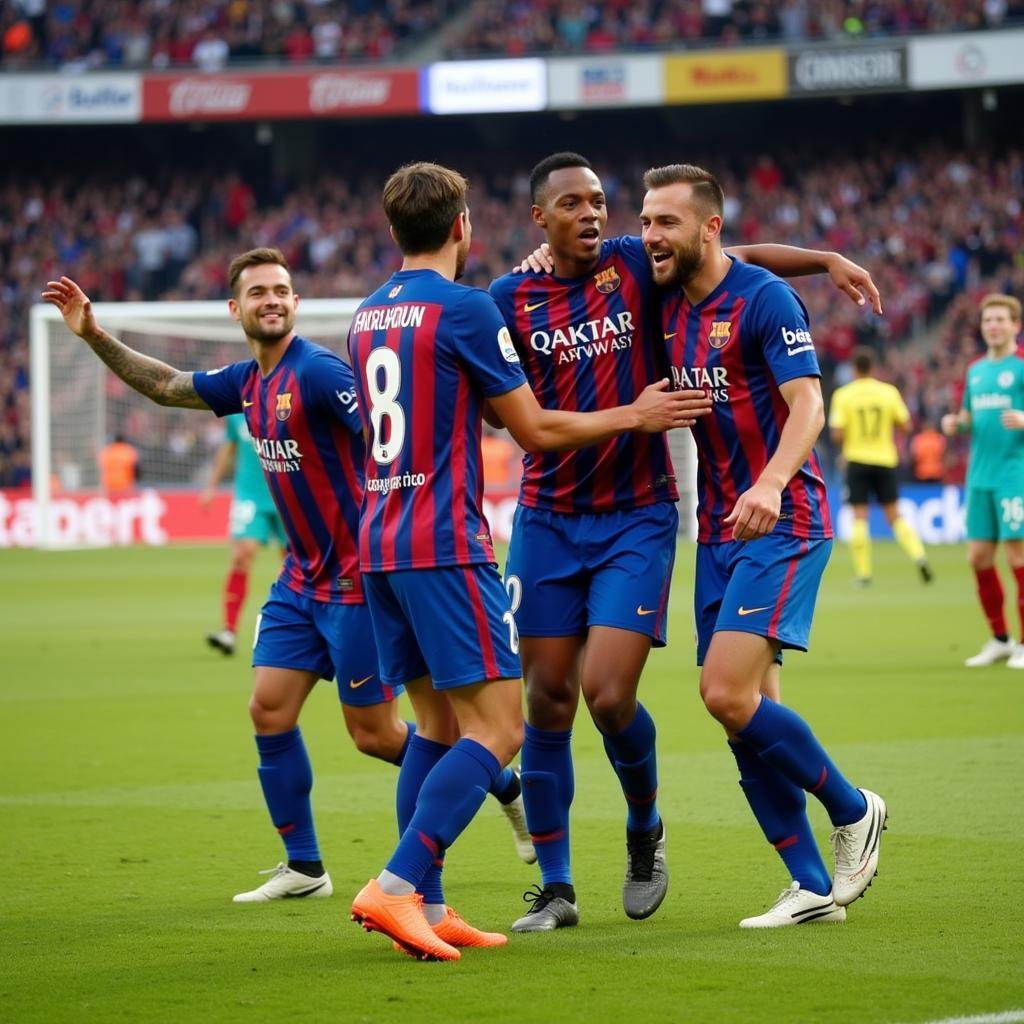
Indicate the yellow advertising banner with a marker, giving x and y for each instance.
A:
(720, 76)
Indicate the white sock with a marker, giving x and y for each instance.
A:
(393, 885)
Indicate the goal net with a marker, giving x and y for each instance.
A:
(79, 406)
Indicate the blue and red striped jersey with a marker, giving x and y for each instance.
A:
(739, 344)
(427, 353)
(590, 343)
(307, 434)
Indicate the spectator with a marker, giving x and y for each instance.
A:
(119, 465)
(928, 451)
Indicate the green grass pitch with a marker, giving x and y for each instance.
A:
(131, 814)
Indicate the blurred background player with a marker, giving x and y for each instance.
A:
(928, 452)
(863, 418)
(119, 465)
(429, 354)
(253, 521)
(764, 533)
(993, 414)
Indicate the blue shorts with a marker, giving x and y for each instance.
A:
(767, 586)
(452, 623)
(334, 640)
(571, 572)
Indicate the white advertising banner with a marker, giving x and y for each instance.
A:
(575, 83)
(965, 60)
(70, 99)
(485, 86)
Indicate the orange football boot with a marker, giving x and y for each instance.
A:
(401, 919)
(457, 932)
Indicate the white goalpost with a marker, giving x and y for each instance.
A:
(78, 405)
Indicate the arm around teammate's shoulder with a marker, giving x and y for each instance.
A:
(164, 384)
(655, 410)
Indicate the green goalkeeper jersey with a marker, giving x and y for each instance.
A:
(250, 484)
(997, 454)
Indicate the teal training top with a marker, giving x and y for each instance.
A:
(997, 454)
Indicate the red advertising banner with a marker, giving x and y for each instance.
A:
(254, 96)
(150, 516)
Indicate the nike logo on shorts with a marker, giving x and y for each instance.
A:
(641, 610)
(356, 683)
(750, 611)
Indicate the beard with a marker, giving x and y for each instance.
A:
(461, 256)
(254, 328)
(689, 259)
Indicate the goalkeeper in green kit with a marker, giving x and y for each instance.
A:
(993, 413)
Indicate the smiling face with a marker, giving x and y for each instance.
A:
(573, 213)
(676, 234)
(265, 304)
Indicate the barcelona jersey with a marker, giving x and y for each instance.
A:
(427, 353)
(305, 429)
(589, 343)
(739, 344)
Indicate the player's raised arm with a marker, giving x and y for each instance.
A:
(150, 377)
(792, 261)
(656, 409)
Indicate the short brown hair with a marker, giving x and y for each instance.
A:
(997, 299)
(254, 258)
(863, 359)
(421, 200)
(707, 192)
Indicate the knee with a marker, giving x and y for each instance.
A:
(385, 745)
(269, 718)
(980, 561)
(551, 703)
(729, 706)
(610, 710)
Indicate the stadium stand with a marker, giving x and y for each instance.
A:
(935, 229)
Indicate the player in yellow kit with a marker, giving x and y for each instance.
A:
(863, 418)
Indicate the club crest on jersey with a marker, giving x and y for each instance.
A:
(393, 294)
(607, 281)
(1005, 379)
(284, 406)
(718, 336)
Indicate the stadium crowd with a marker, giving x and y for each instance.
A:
(81, 34)
(554, 26)
(935, 229)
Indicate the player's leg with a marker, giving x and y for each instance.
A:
(546, 587)
(858, 493)
(1015, 558)
(248, 531)
(463, 632)
(904, 532)
(780, 808)
(630, 555)
(983, 530)
(769, 603)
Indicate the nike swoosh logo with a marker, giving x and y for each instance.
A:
(305, 892)
(356, 683)
(641, 610)
(529, 307)
(245, 404)
(668, 337)
(750, 611)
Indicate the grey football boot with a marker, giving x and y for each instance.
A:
(646, 881)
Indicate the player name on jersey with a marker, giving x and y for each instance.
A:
(386, 318)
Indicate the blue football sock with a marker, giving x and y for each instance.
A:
(287, 779)
(449, 797)
(780, 808)
(632, 756)
(783, 739)
(420, 757)
(548, 789)
(410, 731)
(506, 786)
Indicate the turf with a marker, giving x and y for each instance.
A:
(131, 814)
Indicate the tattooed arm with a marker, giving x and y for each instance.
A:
(150, 377)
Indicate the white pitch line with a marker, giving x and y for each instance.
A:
(1006, 1017)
